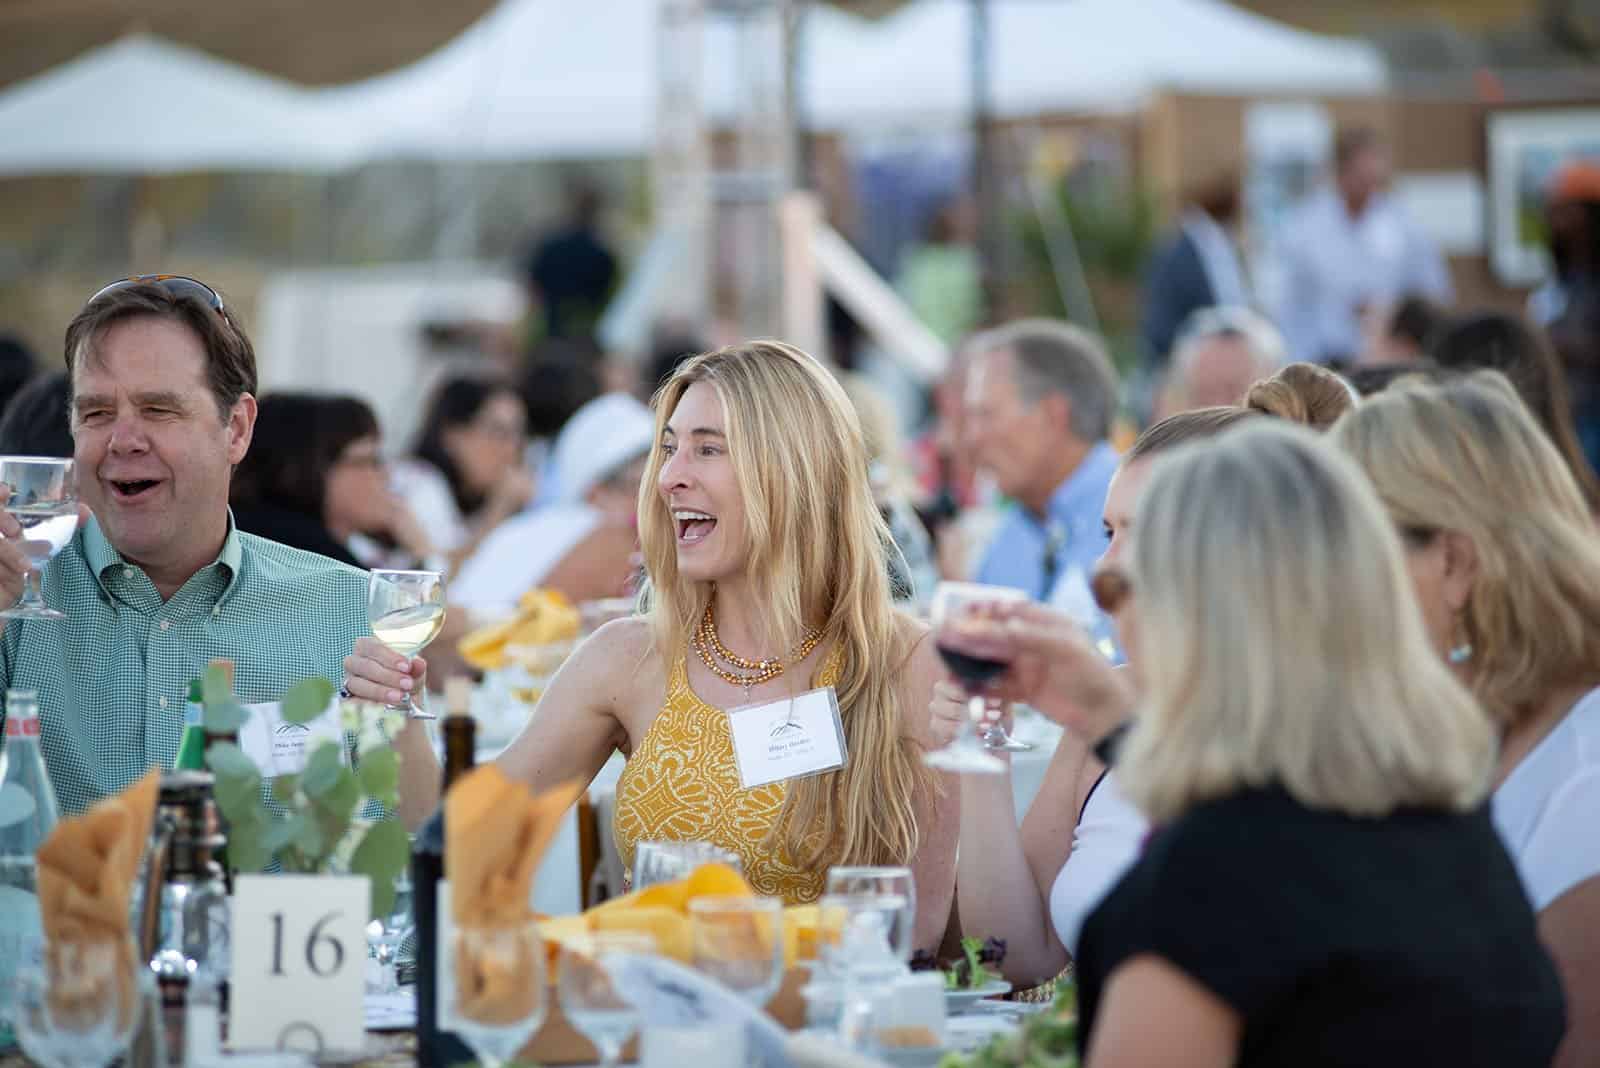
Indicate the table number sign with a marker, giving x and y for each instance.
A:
(299, 962)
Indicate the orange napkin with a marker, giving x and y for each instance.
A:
(86, 871)
(496, 832)
(88, 864)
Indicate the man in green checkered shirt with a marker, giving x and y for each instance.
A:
(158, 582)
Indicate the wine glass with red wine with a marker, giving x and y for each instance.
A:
(960, 608)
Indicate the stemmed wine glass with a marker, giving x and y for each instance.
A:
(78, 1009)
(406, 609)
(44, 499)
(738, 941)
(595, 1004)
(500, 996)
(959, 608)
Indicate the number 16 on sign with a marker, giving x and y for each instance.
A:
(299, 962)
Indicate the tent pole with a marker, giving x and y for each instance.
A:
(985, 181)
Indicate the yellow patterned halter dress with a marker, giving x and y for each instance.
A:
(682, 785)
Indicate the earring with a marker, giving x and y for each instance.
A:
(1461, 652)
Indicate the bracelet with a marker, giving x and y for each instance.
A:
(1105, 750)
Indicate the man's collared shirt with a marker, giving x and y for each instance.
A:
(1017, 555)
(1334, 265)
(113, 677)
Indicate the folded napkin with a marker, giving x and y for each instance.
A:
(88, 865)
(543, 617)
(496, 832)
(86, 872)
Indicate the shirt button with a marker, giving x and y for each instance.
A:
(163, 702)
(166, 624)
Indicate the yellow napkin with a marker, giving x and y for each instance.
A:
(496, 832)
(544, 617)
(86, 871)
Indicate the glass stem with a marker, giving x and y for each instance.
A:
(973, 734)
(32, 589)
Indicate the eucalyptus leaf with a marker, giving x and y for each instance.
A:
(381, 856)
(379, 772)
(214, 686)
(322, 769)
(306, 700)
(281, 833)
(284, 787)
(238, 781)
(222, 717)
(246, 852)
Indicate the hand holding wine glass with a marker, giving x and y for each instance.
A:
(964, 621)
(1052, 664)
(42, 513)
(407, 611)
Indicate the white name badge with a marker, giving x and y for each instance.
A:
(788, 739)
(279, 747)
(299, 962)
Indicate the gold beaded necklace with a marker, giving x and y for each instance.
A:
(709, 645)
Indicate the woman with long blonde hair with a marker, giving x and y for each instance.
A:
(1505, 559)
(767, 561)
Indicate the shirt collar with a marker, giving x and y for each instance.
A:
(103, 556)
(1085, 487)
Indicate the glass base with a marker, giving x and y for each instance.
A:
(964, 760)
(1001, 742)
(23, 611)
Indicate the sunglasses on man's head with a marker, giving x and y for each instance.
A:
(178, 285)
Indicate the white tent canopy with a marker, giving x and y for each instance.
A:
(550, 77)
(146, 105)
(578, 78)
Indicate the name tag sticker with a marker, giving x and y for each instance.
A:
(279, 747)
(788, 739)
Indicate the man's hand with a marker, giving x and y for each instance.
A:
(14, 565)
(374, 672)
(1053, 666)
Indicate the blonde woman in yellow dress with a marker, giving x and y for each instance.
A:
(767, 561)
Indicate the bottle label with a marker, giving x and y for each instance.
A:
(22, 726)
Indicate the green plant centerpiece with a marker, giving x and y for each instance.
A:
(335, 816)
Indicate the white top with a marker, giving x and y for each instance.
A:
(519, 553)
(427, 493)
(1545, 810)
(1333, 265)
(1109, 838)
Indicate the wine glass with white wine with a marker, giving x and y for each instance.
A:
(44, 499)
(406, 609)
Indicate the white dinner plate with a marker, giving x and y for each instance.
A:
(958, 1001)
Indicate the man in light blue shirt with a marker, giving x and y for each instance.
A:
(1347, 248)
(1040, 401)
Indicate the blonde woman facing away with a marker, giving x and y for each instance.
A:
(1323, 884)
(766, 558)
(1035, 887)
(1506, 563)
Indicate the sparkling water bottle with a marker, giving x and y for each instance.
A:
(27, 815)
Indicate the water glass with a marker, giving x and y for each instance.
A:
(896, 892)
(665, 862)
(44, 499)
(386, 934)
(406, 610)
(738, 941)
(500, 999)
(598, 1007)
(80, 1008)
